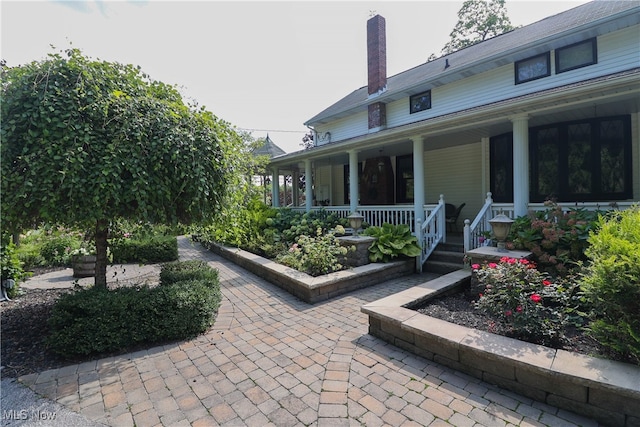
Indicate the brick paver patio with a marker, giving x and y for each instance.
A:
(271, 359)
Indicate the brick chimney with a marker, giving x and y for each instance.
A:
(377, 70)
(376, 54)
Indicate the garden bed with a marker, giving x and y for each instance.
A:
(605, 390)
(314, 289)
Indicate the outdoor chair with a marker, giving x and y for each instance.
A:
(451, 214)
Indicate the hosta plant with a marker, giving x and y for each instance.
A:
(391, 242)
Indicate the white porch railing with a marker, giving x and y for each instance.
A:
(430, 232)
(473, 231)
(378, 215)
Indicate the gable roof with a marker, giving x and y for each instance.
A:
(582, 22)
(269, 148)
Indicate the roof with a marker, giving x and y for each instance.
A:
(514, 45)
(269, 148)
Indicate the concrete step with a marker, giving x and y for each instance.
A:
(441, 267)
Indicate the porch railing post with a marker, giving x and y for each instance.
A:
(467, 236)
(419, 258)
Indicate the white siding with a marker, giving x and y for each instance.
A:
(617, 51)
(462, 163)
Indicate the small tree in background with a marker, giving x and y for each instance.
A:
(86, 142)
(478, 20)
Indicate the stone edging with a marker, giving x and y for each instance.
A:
(605, 390)
(314, 289)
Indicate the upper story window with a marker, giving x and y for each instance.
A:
(533, 68)
(420, 102)
(576, 56)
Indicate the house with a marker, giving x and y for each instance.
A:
(548, 110)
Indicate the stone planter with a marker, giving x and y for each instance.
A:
(84, 265)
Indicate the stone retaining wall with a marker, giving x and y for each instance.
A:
(605, 390)
(314, 289)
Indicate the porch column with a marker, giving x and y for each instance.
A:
(294, 188)
(275, 188)
(418, 178)
(353, 181)
(520, 165)
(308, 191)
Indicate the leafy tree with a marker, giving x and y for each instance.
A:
(86, 142)
(478, 20)
(307, 141)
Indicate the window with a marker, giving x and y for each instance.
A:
(420, 102)
(533, 68)
(586, 160)
(404, 179)
(576, 56)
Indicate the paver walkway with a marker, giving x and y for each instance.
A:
(271, 359)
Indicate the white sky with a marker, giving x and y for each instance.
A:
(260, 65)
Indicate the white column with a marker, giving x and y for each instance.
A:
(484, 144)
(275, 188)
(308, 190)
(353, 181)
(418, 178)
(294, 188)
(520, 165)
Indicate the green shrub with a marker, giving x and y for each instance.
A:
(315, 255)
(56, 250)
(149, 250)
(180, 271)
(557, 239)
(29, 255)
(612, 283)
(392, 241)
(10, 266)
(95, 320)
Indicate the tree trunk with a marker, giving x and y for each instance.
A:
(102, 232)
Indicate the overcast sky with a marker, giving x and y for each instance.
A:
(268, 66)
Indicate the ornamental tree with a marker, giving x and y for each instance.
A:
(478, 20)
(86, 142)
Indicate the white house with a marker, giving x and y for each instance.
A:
(549, 110)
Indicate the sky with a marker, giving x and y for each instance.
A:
(263, 66)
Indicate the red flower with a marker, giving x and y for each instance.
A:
(546, 282)
(524, 261)
(535, 298)
(508, 313)
(512, 261)
(492, 265)
(504, 259)
(475, 266)
(519, 309)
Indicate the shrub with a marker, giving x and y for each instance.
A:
(10, 266)
(612, 283)
(180, 271)
(153, 249)
(391, 242)
(527, 301)
(315, 255)
(56, 250)
(556, 238)
(95, 320)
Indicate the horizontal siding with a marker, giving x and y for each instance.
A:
(462, 163)
(349, 127)
(617, 52)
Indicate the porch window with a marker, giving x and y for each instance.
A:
(501, 168)
(587, 160)
(404, 179)
(577, 55)
(533, 68)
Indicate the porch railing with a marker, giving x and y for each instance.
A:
(475, 231)
(430, 232)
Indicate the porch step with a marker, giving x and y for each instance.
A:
(445, 259)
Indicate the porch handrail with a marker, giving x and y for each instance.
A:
(430, 232)
(480, 225)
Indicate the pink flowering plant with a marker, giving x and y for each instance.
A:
(527, 302)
